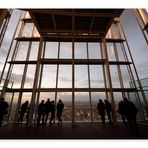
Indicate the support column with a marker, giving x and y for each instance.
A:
(32, 104)
(90, 100)
(109, 82)
(40, 82)
(73, 72)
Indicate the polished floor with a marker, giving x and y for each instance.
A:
(67, 131)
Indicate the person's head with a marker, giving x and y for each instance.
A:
(100, 100)
(52, 101)
(27, 102)
(42, 101)
(2, 99)
(125, 99)
(48, 99)
(60, 101)
(105, 101)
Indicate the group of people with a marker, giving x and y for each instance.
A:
(103, 109)
(126, 109)
(43, 112)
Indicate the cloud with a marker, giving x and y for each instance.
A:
(64, 79)
(16, 78)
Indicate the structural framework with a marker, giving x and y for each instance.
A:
(90, 29)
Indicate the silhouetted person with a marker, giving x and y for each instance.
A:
(60, 107)
(131, 113)
(3, 109)
(101, 110)
(41, 109)
(108, 109)
(23, 110)
(47, 110)
(52, 112)
(121, 111)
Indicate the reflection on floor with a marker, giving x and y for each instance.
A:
(78, 131)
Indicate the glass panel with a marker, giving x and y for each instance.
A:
(27, 30)
(16, 76)
(66, 98)
(94, 50)
(80, 51)
(125, 76)
(114, 76)
(30, 76)
(66, 50)
(111, 53)
(22, 51)
(65, 76)
(96, 76)
(13, 108)
(120, 52)
(34, 51)
(49, 76)
(51, 50)
(81, 76)
(82, 106)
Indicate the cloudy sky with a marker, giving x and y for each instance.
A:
(136, 42)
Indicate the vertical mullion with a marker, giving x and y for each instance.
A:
(73, 71)
(104, 73)
(40, 82)
(118, 66)
(90, 98)
(57, 75)
(109, 82)
(32, 104)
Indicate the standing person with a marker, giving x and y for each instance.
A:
(23, 110)
(41, 109)
(47, 109)
(3, 109)
(121, 111)
(131, 113)
(60, 107)
(52, 112)
(101, 110)
(108, 109)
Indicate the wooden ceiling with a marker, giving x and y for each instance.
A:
(67, 24)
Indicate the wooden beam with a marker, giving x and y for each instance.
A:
(70, 90)
(64, 12)
(68, 38)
